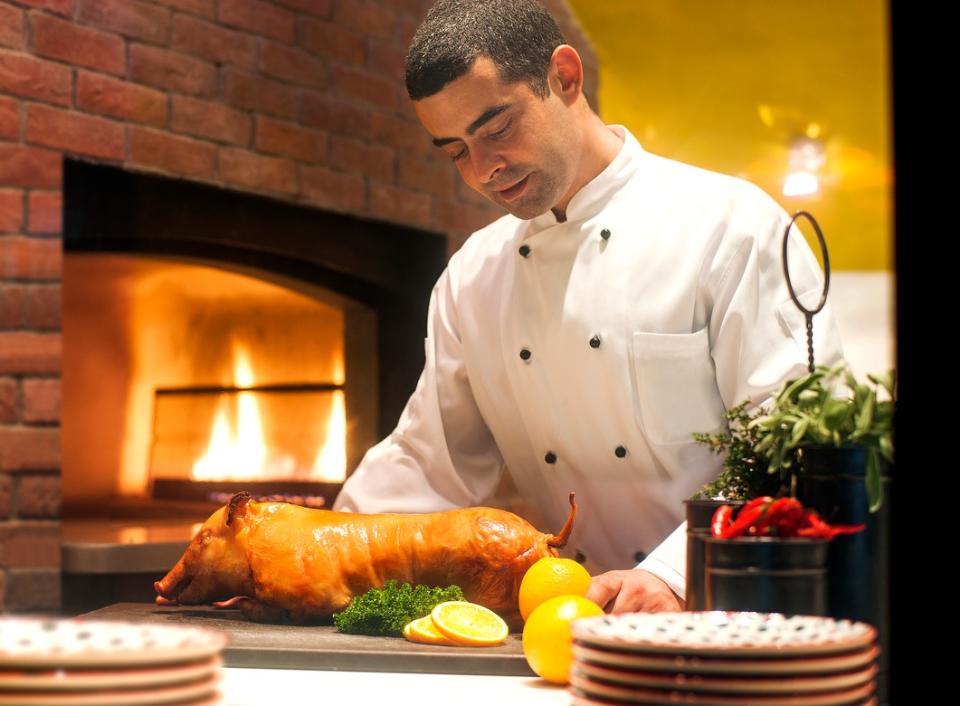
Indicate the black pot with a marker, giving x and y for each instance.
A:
(766, 575)
(699, 514)
(831, 481)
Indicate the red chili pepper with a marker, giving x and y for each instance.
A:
(721, 519)
(784, 517)
(744, 521)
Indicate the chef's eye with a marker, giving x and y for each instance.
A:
(497, 134)
(458, 155)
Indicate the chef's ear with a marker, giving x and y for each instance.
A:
(566, 74)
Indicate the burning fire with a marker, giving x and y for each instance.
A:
(240, 453)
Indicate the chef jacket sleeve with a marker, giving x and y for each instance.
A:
(441, 454)
(757, 335)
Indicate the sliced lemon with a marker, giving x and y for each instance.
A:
(469, 624)
(423, 630)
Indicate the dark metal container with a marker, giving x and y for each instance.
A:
(766, 575)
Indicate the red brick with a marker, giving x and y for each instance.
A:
(320, 8)
(30, 258)
(258, 172)
(179, 155)
(32, 590)
(27, 352)
(27, 76)
(9, 119)
(402, 205)
(42, 307)
(130, 18)
(9, 408)
(30, 545)
(39, 496)
(203, 8)
(460, 218)
(331, 42)
(84, 46)
(6, 509)
(291, 140)
(373, 19)
(119, 99)
(28, 166)
(210, 120)
(214, 43)
(11, 27)
(61, 7)
(335, 116)
(258, 17)
(41, 400)
(334, 190)
(75, 132)
(294, 65)
(406, 28)
(172, 71)
(352, 155)
(11, 210)
(365, 87)
(400, 134)
(13, 299)
(259, 94)
(45, 211)
(386, 60)
(29, 448)
(434, 176)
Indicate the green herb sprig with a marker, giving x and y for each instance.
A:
(384, 611)
(744, 475)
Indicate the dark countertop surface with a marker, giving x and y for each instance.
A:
(322, 647)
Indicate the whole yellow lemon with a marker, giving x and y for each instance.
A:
(547, 642)
(550, 577)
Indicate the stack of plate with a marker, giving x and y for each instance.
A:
(719, 659)
(69, 662)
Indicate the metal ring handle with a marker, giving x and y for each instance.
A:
(826, 264)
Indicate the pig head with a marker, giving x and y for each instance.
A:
(214, 567)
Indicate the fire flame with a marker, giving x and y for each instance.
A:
(241, 453)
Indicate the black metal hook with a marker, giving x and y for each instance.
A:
(808, 314)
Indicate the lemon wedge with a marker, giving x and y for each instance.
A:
(469, 624)
(423, 630)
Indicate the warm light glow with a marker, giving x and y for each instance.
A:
(240, 455)
(801, 184)
(805, 162)
(331, 463)
(239, 451)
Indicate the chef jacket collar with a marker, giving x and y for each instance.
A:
(596, 193)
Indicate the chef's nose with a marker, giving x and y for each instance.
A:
(487, 165)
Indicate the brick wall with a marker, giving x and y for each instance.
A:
(301, 100)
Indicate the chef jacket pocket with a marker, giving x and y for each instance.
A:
(675, 386)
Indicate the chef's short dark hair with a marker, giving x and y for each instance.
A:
(519, 36)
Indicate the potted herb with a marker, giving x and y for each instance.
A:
(826, 418)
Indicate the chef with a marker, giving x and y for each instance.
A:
(625, 302)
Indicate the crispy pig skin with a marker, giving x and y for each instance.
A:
(279, 562)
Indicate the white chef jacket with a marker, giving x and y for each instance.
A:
(582, 355)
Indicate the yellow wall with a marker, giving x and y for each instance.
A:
(724, 84)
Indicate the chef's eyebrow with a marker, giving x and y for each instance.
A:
(488, 115)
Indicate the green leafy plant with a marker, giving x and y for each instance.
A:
(830, 407)
(384, 611)
(745, 474)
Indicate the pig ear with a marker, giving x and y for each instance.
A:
(236, 504)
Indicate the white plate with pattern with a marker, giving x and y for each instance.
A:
(75, 642)
(19, 679)
(699, 664)
(723, 633)
(728, 684)
(632, 694)
(202, 691)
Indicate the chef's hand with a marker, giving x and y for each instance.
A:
(631, 590)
